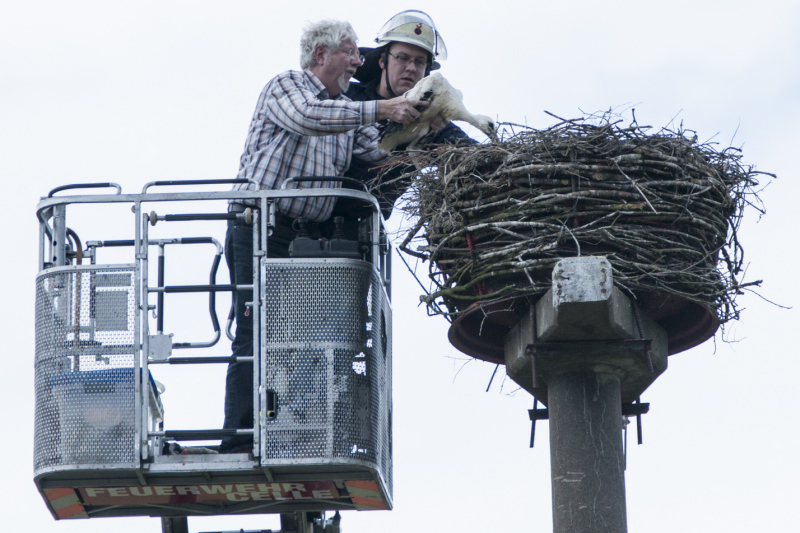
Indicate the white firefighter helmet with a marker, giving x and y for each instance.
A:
(413, 27)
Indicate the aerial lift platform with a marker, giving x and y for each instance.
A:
(104, 445)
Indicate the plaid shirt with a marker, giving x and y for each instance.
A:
(297, 130)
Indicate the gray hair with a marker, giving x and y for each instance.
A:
(328, 33)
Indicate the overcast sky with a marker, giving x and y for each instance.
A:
(139, 91)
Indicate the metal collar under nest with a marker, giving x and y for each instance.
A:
(493, 219)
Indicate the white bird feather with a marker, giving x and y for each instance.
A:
(445, 101)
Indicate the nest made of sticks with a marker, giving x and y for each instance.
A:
(492, 220)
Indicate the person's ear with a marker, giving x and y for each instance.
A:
(319, 54)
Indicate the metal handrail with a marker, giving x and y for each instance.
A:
(85, 186)
(196, 182)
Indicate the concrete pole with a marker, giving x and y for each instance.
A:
(586, 453)
(583, 349)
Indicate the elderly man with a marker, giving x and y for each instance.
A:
(408, 46)
(303, 125)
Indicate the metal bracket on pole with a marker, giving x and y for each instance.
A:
(636, 409)
(584, 323)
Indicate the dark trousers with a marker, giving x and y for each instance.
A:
(239, 380)
(239, 256)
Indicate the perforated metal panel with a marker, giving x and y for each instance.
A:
(328, 363)
(84, 367)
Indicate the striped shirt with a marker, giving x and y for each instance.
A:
(297, 130)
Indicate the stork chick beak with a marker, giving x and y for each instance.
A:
(491, 131)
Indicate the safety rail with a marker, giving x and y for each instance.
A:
(101, 325)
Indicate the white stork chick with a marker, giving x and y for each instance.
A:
(446, 101)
